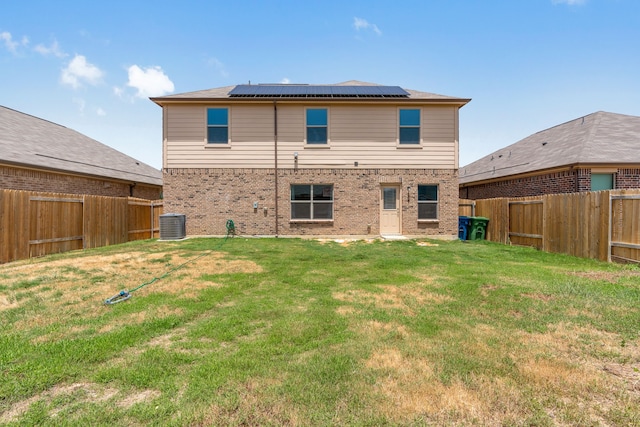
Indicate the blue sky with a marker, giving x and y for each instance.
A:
(526, 64)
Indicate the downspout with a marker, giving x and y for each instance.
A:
(275, 151)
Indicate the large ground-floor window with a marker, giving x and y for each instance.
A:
(312, 201)
(427, 202)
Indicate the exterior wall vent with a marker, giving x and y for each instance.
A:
(173, 226)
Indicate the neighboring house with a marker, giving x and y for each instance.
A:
(594, 152)
(38, 155)
(352, 159)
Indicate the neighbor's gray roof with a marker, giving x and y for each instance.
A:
(223, 93)
(599, 138)
(30, 141)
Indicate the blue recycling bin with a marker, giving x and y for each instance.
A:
(464, 222)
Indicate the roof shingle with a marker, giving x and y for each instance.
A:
(598, 138)
(30, 141)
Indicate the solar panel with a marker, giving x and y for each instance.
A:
(317, 91)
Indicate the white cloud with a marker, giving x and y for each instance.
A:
(570, 2)
(285, 81)
(100, 112)
(79, 71)
(54, 50)
(363, 24)
(215, 63)
(151, 81)
(81, 103)
(10, 44)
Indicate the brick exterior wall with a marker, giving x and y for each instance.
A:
(209, 197)
(34, 180)
(553, 183)
(628, 178)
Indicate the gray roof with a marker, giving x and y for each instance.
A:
(598, 138)
(30, 141)
(223, 93)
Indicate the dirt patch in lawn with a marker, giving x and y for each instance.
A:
(630, 374)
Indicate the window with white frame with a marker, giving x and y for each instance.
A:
(311, 202)
(317, 125)
(217, 125)
(409, 132)
(427, 202)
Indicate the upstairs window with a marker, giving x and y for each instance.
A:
(427, 202)
(218, 125)
(312, 202)
(409, 126)
(316, 126)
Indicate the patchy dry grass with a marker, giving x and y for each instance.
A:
(291, 332)
(83, 283)
(61, 398)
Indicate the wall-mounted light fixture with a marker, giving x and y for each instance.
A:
(295, 155)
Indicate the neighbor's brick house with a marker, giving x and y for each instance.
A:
(38, 155)
(351, 159)
(595, 152)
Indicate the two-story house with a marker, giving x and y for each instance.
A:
(351, 159)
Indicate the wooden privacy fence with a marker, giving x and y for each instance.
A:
(602, 225)
(35, 224)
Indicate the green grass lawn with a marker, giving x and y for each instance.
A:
(305, 332)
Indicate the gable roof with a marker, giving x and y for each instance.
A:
(223, 93)
(598, 138)
(33, 142)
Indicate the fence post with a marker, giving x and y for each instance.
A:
(610, 210)
(544, 222)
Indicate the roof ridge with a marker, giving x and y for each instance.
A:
(593, 129)
(35, 117)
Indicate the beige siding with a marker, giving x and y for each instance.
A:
(363, 125)
(438, 124)
(291, 124)
(185, 123)
(366, 134)
(251, 124)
